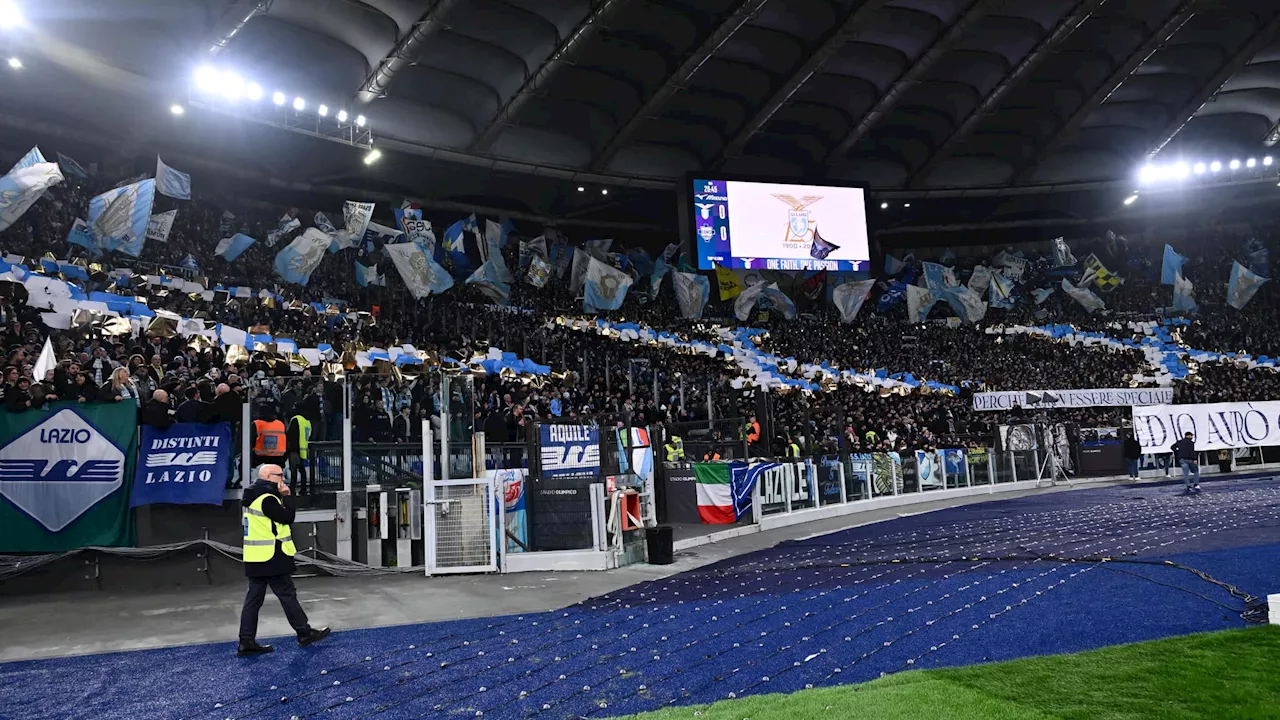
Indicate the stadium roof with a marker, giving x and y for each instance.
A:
(517, 102)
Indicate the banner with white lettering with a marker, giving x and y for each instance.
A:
(183, 465)
(569, 450)
(1214, 425)
(1051, 399)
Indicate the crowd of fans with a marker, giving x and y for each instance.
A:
(594, 377)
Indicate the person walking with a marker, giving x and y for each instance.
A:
(1184, 452)
(268, 560)
(1132, 454)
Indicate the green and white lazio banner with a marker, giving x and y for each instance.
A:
(65, 472)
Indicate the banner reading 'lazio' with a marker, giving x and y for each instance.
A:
(65, 473)
(185, 464)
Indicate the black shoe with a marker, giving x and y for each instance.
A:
(251, 647)
(312, 635)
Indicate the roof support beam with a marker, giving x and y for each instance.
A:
(565, 54)
(914, 75)
(375, 86)
(1013, 80)
(233, 21)
(678, 80)
(1153, 43)
(1211, 88)
(853, 23)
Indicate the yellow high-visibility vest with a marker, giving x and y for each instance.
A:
(261, 534)
(304, 435)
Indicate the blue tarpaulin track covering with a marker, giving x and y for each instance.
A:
(985, 582)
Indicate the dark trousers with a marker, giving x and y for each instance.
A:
(299, 475)
(282, 586)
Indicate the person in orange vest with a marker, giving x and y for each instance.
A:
(267, 438)
(753, 435)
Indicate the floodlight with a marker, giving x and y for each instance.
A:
(231, 86)
(905, 205)
(177, 109)
(15, 63)
(1267, 161)
(1148, 173)
(1131, 199)
(372, 157)
(277, 97)
(1200, 168)
(1251, 162)
(581, 189)
(253, 91)
(360, 121)
(323, 111)
(1181, 170)
(604, 191)
(299, 104)
(1215, 166)
(342, 116)
(207, 79)
(10, 16)
(884, 206)
(1235, 164)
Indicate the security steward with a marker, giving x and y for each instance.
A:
(268, 438)
(268, 560)
(298, 442)
(674, 448)
(791, 448)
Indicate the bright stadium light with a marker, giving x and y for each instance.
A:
(253, 91)
(299, 104)
(1267, 161)
(1148, 174)
(231, 87)
(10, 15)
(177, 109)
(342, 116)
(1200, 168)
(1235, 164)
(604, 191)
(1181, 171)
(1215, 166)
(906, 205)
(884, 206)
(15, 63)
(1251, 162)
(207, 79)
(277, 97)
(1131, 199)
(372, 157)
(360, 121)
(323, 110)
(581, 189)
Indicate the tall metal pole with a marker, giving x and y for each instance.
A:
(608, 380)
(347, 453)
(711, 413)
(444, 427)
(682, 393)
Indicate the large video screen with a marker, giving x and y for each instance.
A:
(776, 226)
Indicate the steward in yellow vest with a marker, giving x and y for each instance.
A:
(268, 559)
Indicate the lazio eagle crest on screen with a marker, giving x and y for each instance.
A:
(799, 224)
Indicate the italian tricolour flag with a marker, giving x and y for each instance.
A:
(715, 493)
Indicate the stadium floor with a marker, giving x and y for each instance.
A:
(983, 582)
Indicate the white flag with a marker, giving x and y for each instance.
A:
(919, 302)
(577, 276)
(356, 217)
(849, 297)
(1087, 299)
(171, 182)
(46, 362)
(1242, 285)
(981, 279)
(160, 225)
(422, 275)
(692, 293)
(22, 187)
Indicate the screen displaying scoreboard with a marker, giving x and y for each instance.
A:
(779, 226)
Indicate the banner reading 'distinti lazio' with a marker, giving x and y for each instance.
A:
(1215, 425)
(1053, 399)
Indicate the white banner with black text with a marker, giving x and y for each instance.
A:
(1051, 399)
(1214, 425)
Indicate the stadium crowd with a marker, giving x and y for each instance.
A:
(593, 376)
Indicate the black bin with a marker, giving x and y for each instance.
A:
(661, 542)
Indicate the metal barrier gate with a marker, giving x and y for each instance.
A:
(461, 524)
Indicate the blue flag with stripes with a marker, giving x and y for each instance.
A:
(172, 183)
(119, 217)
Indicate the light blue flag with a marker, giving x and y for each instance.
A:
(641, 261)
(486, 280)
(366, 276)
(119, 217)
(420, 272)
(1242, 286)
(172, 183)
(233, 247)
(692, 293)
(1171, 267)
(33, 157)
(779, 301)
(71, 167)
(1041, 294)
(967, 303)
(660, 268)
(80, 235)
(603, 287)
(849, 297)
(938, 277)
(892, 265)
(323, 222)
(453, 241)
(469, 224)
(295, 263)
(1184, 299)
(23, 186)
(189, 262)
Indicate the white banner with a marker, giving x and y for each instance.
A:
(1049, 399)
(1214, 425)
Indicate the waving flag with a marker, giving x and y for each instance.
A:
(31, 159)
(724, 490)
(172, 183)
(641, 261)
(233, 247)
(531, 248)
(937, 277)
(288, 223)
(893, 266)
(1105, 280)
(1001, 291)
(767, 293)
(539, 272)
(980, 280)
(692, 293)
(1183, 294)
(849, 297)
(497, 233)
(1087, 299)
(71, 167)
(660, 269)
(160, 225)
(295, 263)
(495, 238)
(323, 222)
(82, 236)
(1171, 266)
(604, 288)
(368, 275)
(1242, 285)
(189, 262)
(821, 248)
(466, 249)
(1062, 256)
(355, 218)
(486, 280)
(578, 275)
(23, 186)
(919, 302)
(967, 303)
(419, 231)
(598, 248)
(421, 274)
(120, 217)
(1041, 294)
